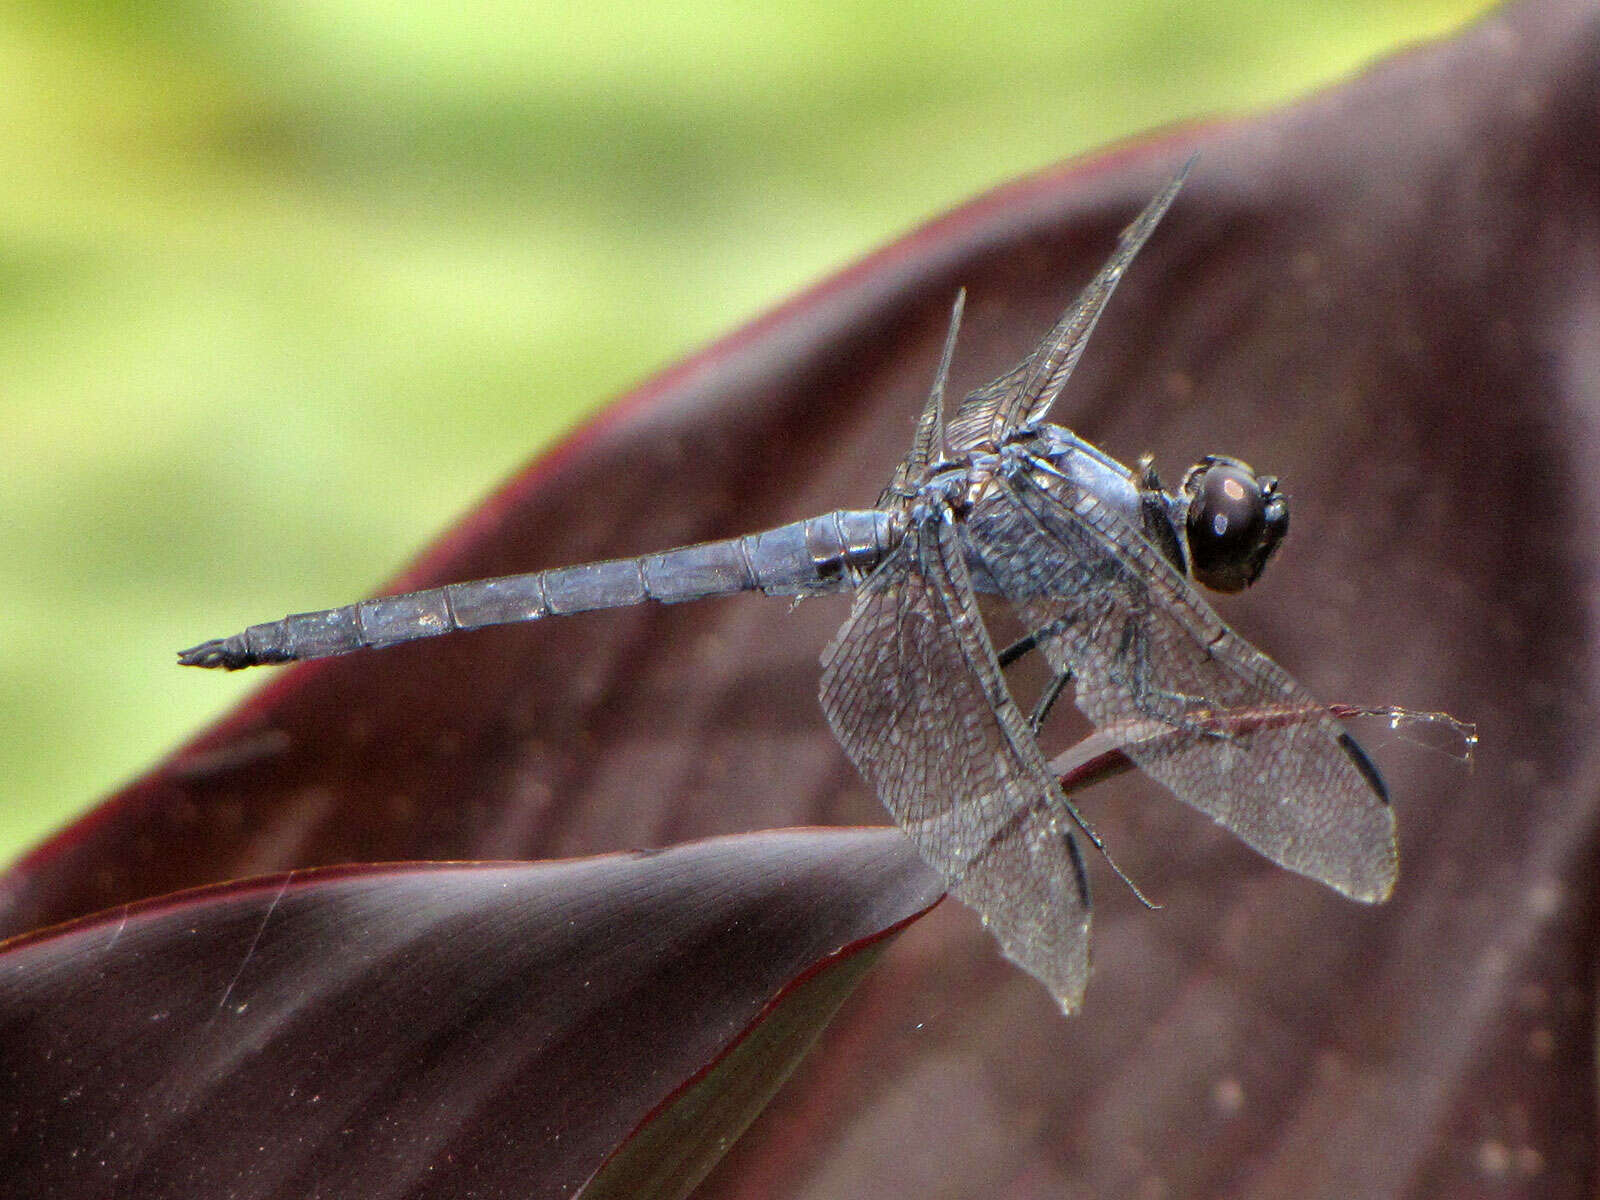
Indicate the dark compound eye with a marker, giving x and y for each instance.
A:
(1236, 520)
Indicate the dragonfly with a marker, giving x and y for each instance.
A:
(1102, 565)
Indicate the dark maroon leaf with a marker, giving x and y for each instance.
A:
(1386, 294)
(435, 1030)
(678, 1145)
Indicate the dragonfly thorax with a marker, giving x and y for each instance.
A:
(951, 485)
(1219, 527)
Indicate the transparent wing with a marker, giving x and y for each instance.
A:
(1024, 395)
(1143, 645)
(914, 695)
(977, 418)
(927, 444)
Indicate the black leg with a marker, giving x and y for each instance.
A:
(1017, 649)
(1052, 691)
(1047, 701)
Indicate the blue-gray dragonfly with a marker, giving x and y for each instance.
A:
(1100, 564)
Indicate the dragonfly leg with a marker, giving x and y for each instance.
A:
(1053, 689)
(1099, 844)
(1159, 704)
(1018, 648)
(1047, 700)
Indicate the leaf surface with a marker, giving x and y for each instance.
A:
(430, 1030)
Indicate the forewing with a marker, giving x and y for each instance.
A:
(1024, 394)
(927, 443)
(914, 695)
(977, 418)
(1143, 645)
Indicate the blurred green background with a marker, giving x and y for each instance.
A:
(285, 287)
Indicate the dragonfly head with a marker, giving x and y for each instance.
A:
(1235, 521)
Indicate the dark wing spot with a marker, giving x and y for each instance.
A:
(1365, 766)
